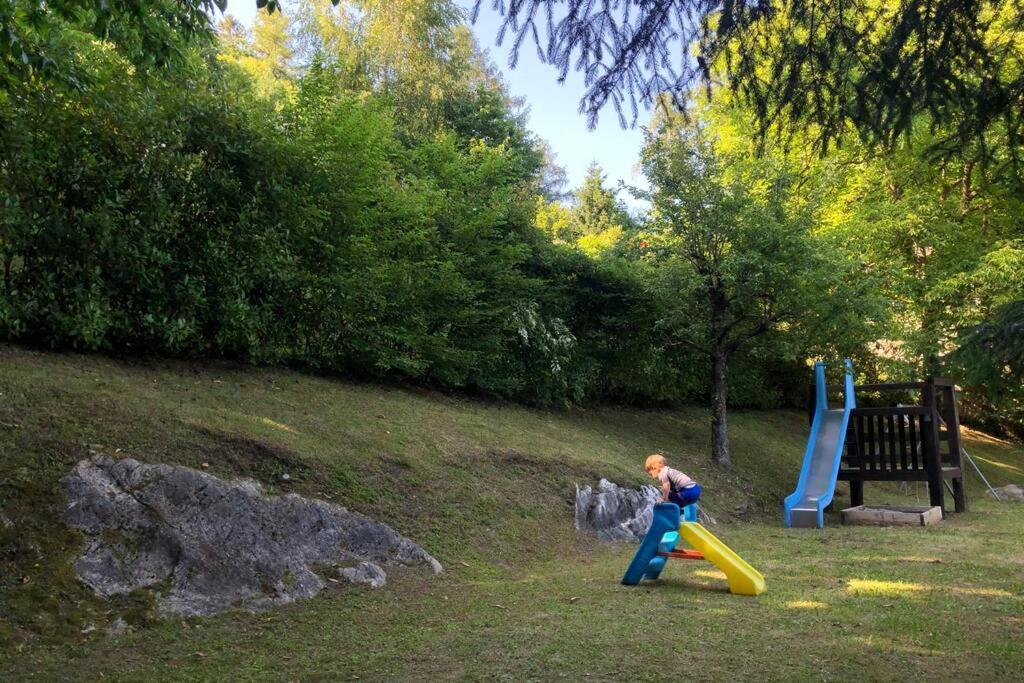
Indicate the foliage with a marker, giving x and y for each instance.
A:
(942, 243)
(827, 65)
(150, 33)
(235, 208)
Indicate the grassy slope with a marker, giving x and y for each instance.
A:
(488, 489)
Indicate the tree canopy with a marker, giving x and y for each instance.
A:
(870, 67)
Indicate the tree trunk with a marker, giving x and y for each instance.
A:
(719, 415)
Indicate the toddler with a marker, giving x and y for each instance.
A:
(676, 487)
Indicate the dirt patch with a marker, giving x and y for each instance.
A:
(248, 457)
(551, 469)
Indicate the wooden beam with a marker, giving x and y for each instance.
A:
(853, 475)
(891, 410)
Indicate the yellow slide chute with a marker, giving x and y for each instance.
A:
(743, 579)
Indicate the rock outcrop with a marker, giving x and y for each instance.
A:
(205, 545)
(615, 513)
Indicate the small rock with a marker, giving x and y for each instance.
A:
(366, 572)
(1014, 492)
(285, 476)
(119, 627)
(5, 521)
(88, 628)
(206, 465)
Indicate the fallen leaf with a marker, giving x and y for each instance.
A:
(500, 606)
(574, 599)
(464, 564)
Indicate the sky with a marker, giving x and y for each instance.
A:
(553, 107)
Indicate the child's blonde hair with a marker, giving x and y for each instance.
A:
(654, 460)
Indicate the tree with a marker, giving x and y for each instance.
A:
(599, 220)
(331, 33)
(595, 210)
(734, 262)
(235, 38)
(266, 54)
(553, 178)
(825, 63)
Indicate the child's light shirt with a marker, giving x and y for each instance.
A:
(675, 478)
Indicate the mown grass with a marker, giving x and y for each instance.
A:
(488, 487)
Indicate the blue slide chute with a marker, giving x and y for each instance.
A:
(665, 519)
(805, 507)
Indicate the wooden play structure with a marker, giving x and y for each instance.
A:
(905, 442)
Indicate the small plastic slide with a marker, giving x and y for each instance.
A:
(805, 507)
(660, 542)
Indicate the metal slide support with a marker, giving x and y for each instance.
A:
(975, 466)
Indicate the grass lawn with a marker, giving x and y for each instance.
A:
(487, 488)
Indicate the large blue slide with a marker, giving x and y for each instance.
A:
(805, 507)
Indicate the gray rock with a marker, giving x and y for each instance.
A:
(1013, 492)
(119, 627)
(206, 545)
(365, 572)
(615, 513)
(5, 521)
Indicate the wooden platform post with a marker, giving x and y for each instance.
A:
(951, 416)
(856, 493)
(930, 445)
